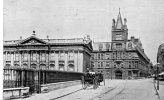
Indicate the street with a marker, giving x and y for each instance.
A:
(141, 89)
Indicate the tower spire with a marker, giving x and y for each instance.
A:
(119, 21)
(119, 10)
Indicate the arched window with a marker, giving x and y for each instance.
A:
(16, 65)
(130, 45)
(71, 67)
(52, 66)
(61, 67)
(25, 66)
(8, 66)
(33, 66)
(42, 66)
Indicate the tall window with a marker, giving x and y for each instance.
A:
(107, 47)
(92, 56)
(52, 56)
(118, 37)
(34, 57)
(107, 64)
(107, 56)
(61, 55)
(43, 57)
(71, 55)
(16, 56)
(25, 57)
(114, 55)
(92, 64)
(102, 56)
(118, 55)
(99, 56)
(95, 56)
(101, 64)
(8, 56)
(118, 46)
(98, 64)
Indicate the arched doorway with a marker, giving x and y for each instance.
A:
(118, 74)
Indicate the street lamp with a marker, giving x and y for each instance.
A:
(158, 76)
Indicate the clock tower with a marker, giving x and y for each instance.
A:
(119, 29)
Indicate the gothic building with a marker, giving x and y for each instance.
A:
(122, 58)
(39, 61)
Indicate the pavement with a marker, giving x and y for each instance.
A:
(55, 93)
(60, 93)
(160, 92)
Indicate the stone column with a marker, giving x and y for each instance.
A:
(43, 78)
(77, 60)
(22, 78)
(56, 60)
(48, 59)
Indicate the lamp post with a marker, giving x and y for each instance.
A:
(157, 76)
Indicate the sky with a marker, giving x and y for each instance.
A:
(78, 18)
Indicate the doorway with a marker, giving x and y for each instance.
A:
(118, 74)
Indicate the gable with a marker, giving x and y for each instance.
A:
(32, 40)
(130, 46)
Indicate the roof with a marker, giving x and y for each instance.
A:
(104, 45)
(33, 40)
(119, 21)
(50, 41)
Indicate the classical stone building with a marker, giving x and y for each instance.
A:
(121, 58)
(39, 61)
(160, 57)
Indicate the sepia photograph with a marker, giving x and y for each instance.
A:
(83, 50)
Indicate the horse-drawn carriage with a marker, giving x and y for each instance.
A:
(92, 78)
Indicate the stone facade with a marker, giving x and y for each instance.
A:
(160, 57)
(122, 58)
(23, 58)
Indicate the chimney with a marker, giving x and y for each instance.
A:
(113, 24)
(33, 33)
(20, 37)
(48, 38)
(132, 39)
(88, 37)
(125, 21)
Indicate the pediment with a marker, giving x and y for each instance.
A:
(32, 40)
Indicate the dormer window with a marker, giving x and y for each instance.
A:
(118, 46)
(100, 47)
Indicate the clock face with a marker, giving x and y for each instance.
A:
(118, 37)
